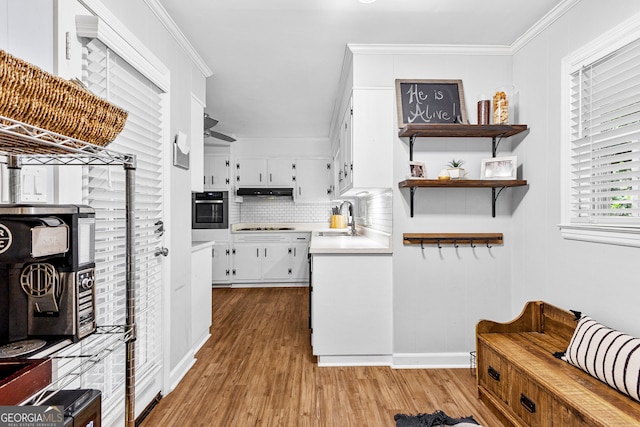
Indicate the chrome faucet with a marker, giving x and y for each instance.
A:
(350, 212)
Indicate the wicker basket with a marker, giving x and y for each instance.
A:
(30, 95)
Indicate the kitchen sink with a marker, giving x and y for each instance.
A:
(334, 233)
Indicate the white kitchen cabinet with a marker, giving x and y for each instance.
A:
(247, 262)
(216, 171)
(200, 296)
(220, 268)
(270, 257)
(261, 172)
(313, 178)
(345, 156)
(275, 261)
(299, 257)
(365, 141)
(196, 144)
(351, 305)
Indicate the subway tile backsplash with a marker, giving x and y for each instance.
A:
(281, 210)
(375, 211)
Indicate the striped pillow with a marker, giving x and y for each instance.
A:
(609, 355)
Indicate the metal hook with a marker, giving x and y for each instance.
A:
(455, 243)
(488, 245)
(439, 246)
(471, 243)
(422, 244)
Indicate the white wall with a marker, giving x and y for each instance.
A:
(598, 279)
(440, 294)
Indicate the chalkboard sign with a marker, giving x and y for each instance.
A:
(430, 101)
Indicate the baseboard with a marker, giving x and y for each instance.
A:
(357, 360)
(203, 340)
(271, 285)
(177, 373)
(430, 360)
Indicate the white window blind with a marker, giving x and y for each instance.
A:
(605, 139)
(108, 76)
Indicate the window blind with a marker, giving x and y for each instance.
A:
(110, 77)
(605, 139)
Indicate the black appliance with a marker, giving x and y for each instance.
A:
(47, 272)
(210, 210)
(264, 192)
(82, 407)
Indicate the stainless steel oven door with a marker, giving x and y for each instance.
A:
(210, 210)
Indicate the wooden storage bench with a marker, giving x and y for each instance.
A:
(522, 381)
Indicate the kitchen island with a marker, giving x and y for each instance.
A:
(351, 298)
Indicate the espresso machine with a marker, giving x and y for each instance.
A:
(47, 272)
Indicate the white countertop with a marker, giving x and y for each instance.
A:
(366, 242)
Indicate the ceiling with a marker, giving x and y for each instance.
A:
(276, 63)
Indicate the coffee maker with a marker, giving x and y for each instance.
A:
(47, 272)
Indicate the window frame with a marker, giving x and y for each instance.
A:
(603, 46)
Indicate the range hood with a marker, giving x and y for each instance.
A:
(265, 192)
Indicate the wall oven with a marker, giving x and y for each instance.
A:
(210, 210)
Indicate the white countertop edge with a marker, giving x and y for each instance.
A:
(198, 245)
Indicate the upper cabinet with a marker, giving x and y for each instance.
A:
(261, 172)
(313, 178)
(365, 140)
(196, 144)
(216, 172)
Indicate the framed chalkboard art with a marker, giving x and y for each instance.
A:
(430, 102)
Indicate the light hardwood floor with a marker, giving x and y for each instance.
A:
(257, 370)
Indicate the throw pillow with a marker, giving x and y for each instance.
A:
(609, 355)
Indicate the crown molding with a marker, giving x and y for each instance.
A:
(545, 22)
(173, 29)
(428, 49)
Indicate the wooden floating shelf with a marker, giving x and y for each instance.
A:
(452, 239)
(452, 130)
(462, 183)
(412, 184)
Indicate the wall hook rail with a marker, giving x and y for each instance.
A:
(454, 239)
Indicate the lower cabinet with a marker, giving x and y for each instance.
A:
(351, 305)
(270, 257)
(200, 296)
(221, 267)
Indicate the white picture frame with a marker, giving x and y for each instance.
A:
(417, 170)
(499, 168)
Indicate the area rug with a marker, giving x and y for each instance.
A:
(436, 419)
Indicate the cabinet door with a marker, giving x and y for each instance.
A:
(216, 171)
(299, 262)
(346, 150)
(251, 172)
(220, 268)
(312, 180)
(275, 261)
(200, 296)
(247, 261)
(280, 173)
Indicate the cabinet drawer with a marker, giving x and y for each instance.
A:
(530, 402)
(492, 372)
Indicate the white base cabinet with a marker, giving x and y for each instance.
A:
(200, 296)
(351, 304)
(221, 266)
(270, 257)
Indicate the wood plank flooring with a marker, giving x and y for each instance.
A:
(257, 370)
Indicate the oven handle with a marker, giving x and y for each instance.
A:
(209, 201)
